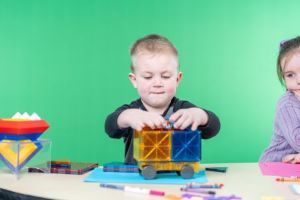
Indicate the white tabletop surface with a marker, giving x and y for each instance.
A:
(241, 179)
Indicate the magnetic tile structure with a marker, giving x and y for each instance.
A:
(167, 145)
(19, 141)
(167, 150)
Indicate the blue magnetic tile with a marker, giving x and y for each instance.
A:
(120, 167)
(186, 146)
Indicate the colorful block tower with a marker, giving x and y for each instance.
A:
(23, 131)
(167, 150)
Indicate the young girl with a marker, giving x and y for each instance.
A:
(285, 144)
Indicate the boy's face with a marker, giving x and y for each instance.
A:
(291, 72)
(156, 78)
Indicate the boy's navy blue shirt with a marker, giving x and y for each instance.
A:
(112, 129)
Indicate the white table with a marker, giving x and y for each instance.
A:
(241, 179)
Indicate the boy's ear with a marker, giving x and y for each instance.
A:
(179, 77)
(132, 79)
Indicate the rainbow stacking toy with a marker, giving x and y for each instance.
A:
(25, 131)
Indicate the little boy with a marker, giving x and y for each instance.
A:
(155, 74)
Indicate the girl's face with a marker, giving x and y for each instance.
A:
(291, 72)
(156, 78)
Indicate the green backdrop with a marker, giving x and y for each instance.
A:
(68, 61)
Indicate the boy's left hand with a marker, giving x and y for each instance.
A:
(189, 117)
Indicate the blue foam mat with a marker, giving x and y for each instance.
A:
(97, 175)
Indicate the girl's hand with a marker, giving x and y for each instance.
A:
(291, 158)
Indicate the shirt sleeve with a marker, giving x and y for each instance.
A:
(111, 123)
(289, 118)
(212, 127)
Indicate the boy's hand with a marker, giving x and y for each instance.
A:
(189, 117)
(138, 119)
(291, 158)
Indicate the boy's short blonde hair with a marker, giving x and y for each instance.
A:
(154, 44)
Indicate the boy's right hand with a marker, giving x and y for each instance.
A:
(138, 119)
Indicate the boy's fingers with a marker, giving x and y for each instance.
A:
(164, 124)
(138, 127)
(151, 124)
(179, 122)
(158, 124)
(174, 117)
(195, 126)
(162, 121)
(186, 123)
